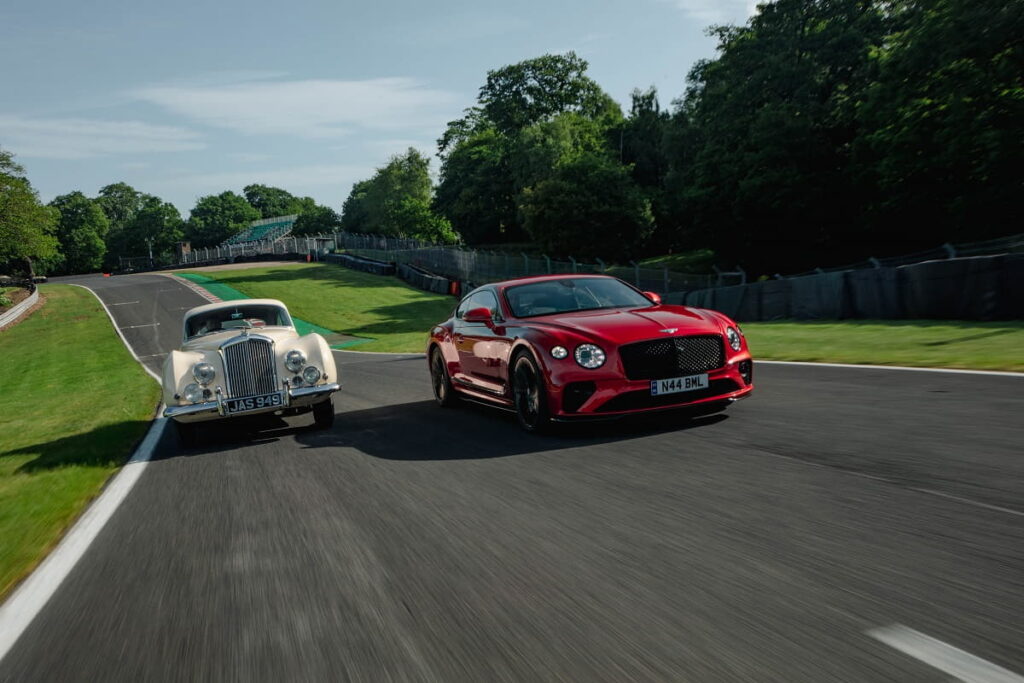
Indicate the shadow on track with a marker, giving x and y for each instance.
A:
(421, 431)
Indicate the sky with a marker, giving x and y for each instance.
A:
(188, 98)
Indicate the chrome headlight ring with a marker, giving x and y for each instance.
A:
(590, 356)
(294, 360)
(204, 373)
(734, 338)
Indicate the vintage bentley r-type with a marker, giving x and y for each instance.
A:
(244, 358)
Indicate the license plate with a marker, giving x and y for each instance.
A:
(675, 385)
(233, 406)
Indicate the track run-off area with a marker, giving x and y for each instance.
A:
(843, 524)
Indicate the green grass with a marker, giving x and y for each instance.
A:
(698, 261)
(73, 402)
(917, 343)
(398, 317)
(385, 309)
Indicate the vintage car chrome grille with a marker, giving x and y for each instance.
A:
(250, 367)
(672, 357)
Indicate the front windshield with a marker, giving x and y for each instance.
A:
(572, 294)
(246, 316)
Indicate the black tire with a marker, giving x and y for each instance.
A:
(530, 395)
(186, 434)
(441, 383)
(323, 414)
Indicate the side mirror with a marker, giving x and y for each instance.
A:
(653, 297)
(478, 315)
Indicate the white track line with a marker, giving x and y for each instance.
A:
(122, 303)
(951, 660)
(118, 330)
(891, 367)
(18, 611)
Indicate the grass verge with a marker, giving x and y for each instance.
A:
(393, 314)
(915, 343)
(73, 403)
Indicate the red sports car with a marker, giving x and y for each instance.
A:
(568, 347)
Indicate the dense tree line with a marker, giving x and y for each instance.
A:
(823, 131)
(79, 234)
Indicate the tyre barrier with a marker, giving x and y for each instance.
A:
(360, 263)
(427, 281)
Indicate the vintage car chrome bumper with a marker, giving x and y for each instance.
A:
(302, 396)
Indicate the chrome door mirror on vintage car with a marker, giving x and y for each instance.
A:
(656, 298)
(479, 315)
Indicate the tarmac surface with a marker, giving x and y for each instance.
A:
(409, 542)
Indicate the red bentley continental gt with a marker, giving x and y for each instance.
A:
(568, 347)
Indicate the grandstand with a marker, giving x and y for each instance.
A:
(266, 229)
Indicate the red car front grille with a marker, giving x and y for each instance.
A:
(672, 357)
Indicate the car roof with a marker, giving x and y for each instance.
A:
(233, 303)
(526, 279)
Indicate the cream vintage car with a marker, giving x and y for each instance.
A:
(242, 358)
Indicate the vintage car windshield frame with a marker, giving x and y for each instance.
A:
(237, 313)
(642, 301)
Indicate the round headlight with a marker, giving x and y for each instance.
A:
(734, 338)
(203, 372)
(590, 356)
(193, 393)
(294, 360)
(559, 352)
(311, 374)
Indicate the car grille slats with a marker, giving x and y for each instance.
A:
(672, 357)
(250, 368)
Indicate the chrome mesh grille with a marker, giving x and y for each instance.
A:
(672, 357)
(250, 368)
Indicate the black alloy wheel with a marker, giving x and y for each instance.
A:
(444, 394)
(323, 414)
(530, 395)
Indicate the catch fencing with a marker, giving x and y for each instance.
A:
(967, 288)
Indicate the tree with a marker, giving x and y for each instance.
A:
(26, 226)
(157, 226)
(392, 202)
(355, 216)
(318, 221)
(273, 201)
(477, 192)
(590, 208)
(533, 90)
(943, 122)
(80, 229)
(215, 218)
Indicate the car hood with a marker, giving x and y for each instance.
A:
(213, 341)
(624, 326)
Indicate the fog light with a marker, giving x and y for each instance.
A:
(193, 393)
(746, 368)
(311, 374)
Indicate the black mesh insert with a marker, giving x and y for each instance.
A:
(576, 394)
(672, 357)
(638, 400)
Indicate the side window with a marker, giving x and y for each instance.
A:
(486, 300)
(464, 306)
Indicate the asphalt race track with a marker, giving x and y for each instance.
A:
(416, 543)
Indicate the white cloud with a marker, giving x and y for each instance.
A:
(74, 138)
(718, 11)
(313, 109)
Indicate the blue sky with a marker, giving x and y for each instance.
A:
(187, 98)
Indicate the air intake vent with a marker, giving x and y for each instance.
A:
(250, 367)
